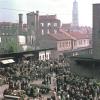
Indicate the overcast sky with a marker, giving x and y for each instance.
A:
(62, 8)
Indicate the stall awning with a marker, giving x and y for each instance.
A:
(4, 61)
(28, 55)
(7, 61)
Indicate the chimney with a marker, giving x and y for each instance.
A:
(37, 21)
(37, 29)
(20, 23)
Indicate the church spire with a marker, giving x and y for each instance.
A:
(75, 14)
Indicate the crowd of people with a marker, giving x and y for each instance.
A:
(73, 87)
(68, 85)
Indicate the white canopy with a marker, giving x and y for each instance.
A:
(7, 61)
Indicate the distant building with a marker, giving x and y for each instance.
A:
(48, 24)
(85, 30)
(82, 29)
(12, 32)
(63, 43)
(67, 27)
(79, 40)
(60, 41)
(38, 26)
(8, 28)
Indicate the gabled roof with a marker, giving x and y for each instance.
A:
(67, 34)
(60, 36)
(76, 35)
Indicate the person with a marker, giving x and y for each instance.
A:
(53, 97)
(59, 97)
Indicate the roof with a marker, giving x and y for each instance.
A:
(79, 35)
(67, 34)
(85, 58)
(76, 35)
(83, 48)
(8, 23)
(47, 17)
(60, 36)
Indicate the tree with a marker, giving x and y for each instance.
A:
(10, 45)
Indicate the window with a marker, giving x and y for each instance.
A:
(76, 53)
(7, 33)
(47, 56)
(63, 44)
(55, 31)
(42, 24)
(43, 57)
(66, 44)
(49, 24)
(55, 24)
(3, 33)
(60, 44)
(42, 32)
(80, 42)
(73, 54)
(48, 31)
(74, 43)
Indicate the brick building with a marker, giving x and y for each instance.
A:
(40, 25)
(79, 40)
(63, 43)
(12, 33)
(60, 41)
(48, 24)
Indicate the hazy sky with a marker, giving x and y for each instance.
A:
(62, 8)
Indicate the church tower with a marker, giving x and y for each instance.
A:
(75, 14)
